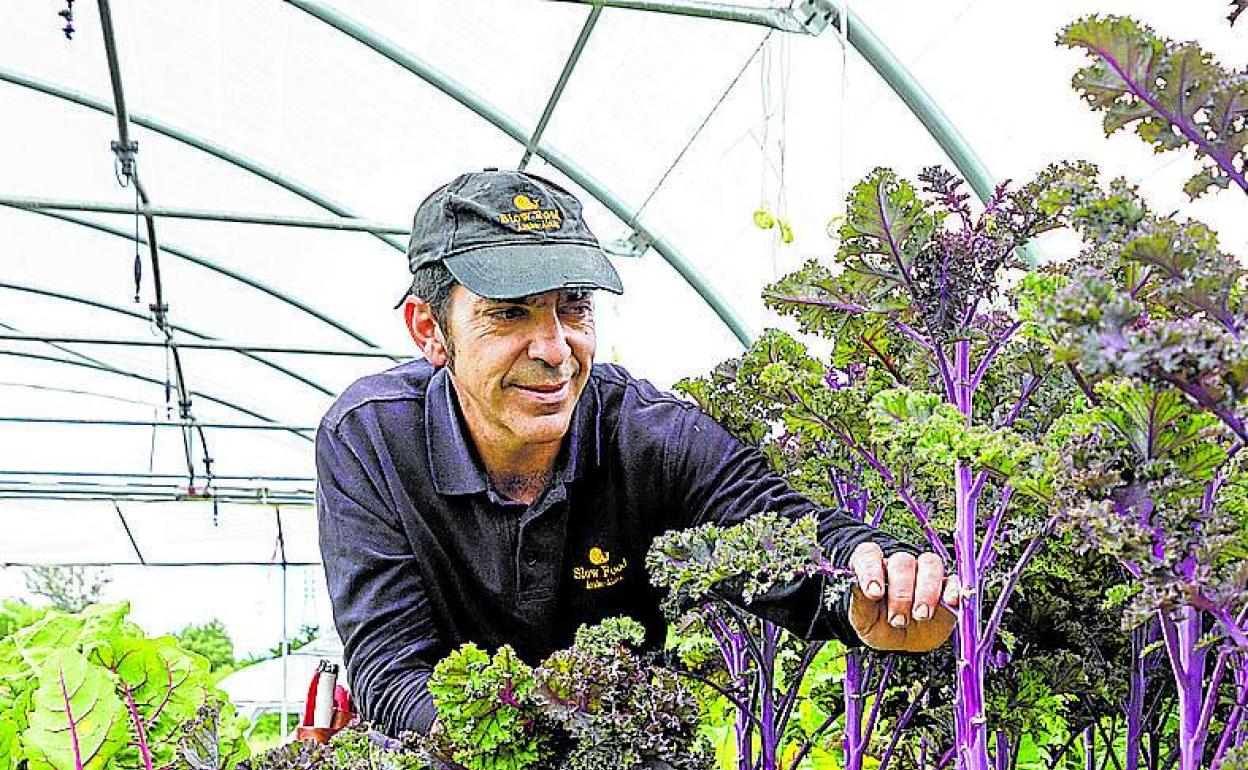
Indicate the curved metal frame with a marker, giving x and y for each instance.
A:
(149, 380)
(508, 125)
(176, 327)
(210, 265)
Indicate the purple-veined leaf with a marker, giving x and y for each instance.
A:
(78, 722)
(1175, 94)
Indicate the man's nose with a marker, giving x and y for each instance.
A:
(550, 341)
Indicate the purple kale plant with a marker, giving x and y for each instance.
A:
(1150, 319)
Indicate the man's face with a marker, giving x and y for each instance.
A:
(519, 365)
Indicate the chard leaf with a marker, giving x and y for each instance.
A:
(1175, 94)
(78, 722)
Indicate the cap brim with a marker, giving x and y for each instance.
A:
(520, 270)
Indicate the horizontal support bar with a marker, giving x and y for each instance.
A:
(158, 424)
(775, 18)
(205, 345)
(273, 564)
(108, 475)
(346, 224)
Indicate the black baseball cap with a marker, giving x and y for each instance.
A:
(506, 234)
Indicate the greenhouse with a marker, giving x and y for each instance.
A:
(911, 439)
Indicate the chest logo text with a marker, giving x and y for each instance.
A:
(600, 573)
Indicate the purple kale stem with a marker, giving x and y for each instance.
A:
(790, 696)
(856, 673)
(1011, 582)
(918, 339)
(846, 307)
(138, 727)
(1231, 734)
(1187, 661)
(1028, 390)
(770, 736)
(945, 758)
(1212, 688)
(1089, 748)
(874, 716)
(986, 545)
(982, 369)
(1195, 136)
(1140, 638)
(73, 726)
(970, 725)
(1003, 751)
(902, 722)
(919, 510)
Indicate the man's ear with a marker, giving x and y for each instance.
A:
(424, 329)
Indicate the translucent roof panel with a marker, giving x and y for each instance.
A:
(682, 127)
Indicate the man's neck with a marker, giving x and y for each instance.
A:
(518, 471)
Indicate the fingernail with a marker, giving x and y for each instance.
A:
(874, 589)
(898, 620)
(921, 612)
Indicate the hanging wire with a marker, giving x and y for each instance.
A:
(637, 214)
(843, 30)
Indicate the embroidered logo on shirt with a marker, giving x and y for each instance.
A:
(601, 573)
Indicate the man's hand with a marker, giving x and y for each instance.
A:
(896, 601)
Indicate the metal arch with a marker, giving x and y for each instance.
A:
(150, 380)
(228, 347)
(205, 145)
(557, 93)
(460, 93)
(210, 265)
(176, 327)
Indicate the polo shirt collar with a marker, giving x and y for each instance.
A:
(456, 467)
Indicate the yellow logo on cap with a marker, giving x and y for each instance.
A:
(598, 556)
(529, 215)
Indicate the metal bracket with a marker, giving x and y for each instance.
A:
(814, 15)
(633, 245)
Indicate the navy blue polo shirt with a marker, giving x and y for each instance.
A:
(422, 554)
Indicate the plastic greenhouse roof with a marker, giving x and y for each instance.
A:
(684, 126)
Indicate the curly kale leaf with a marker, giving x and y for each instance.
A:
(1175, 94)
(618, 711)
(486, 707)
(747, 559)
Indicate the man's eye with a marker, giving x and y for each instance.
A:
(511, 313)
(578, 309)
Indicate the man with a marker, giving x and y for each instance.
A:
(504, 489)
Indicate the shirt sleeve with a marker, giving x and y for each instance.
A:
(713, 477)
(379, 602)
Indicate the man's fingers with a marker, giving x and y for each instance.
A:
(929, 580)
(902, 568)
(953, 591)
(867, 562)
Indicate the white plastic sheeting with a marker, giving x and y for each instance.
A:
(701, 121)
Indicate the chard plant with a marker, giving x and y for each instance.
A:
(89, 691)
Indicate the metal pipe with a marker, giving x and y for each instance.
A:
(198, 564)
(564, 76)
(208, 215)
(144, 378)
(114, 74)
(208, 146)
(156, 424)
(106, 474)
(216, 268)
(176, 327)
(460, 93)
(776, 18)
(222, 346)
